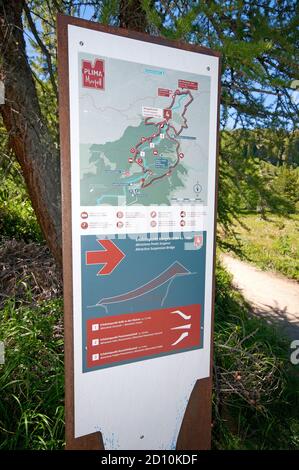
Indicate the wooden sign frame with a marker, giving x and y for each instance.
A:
(195, 433)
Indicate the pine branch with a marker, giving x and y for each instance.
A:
(43, 49)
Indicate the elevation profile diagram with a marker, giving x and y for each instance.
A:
(176, 269)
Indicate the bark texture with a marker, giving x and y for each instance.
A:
(29, 136)
(132, 15)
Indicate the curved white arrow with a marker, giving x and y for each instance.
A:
(183, 315)
(183, 336)
(183, 327)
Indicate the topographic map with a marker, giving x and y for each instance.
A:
(143, 135)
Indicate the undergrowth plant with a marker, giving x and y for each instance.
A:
(255, 398)
(256, 388)
(31, 380)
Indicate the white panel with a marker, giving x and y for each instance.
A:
(138, 405)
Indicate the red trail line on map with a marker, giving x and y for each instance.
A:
(154, 135)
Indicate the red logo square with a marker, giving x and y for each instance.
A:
(93, 75)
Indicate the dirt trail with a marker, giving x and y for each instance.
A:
(271, 295)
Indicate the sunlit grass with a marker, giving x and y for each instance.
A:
(271, 244)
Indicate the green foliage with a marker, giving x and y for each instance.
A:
(272, 244)
(109, 11)
(258, 65)
(17, 217)
(39, 21)
(252, 176)
(258, 61)
(256, 398)
(285, 183)
(31, 380)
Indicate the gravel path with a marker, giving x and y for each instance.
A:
(271, 295)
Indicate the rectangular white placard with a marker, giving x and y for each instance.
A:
(143, 144)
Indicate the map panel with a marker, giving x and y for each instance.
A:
(142, 147)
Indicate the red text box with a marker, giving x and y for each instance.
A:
(187, 84)
(140, 335)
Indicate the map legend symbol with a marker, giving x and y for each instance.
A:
(197, 188)
(167, 113)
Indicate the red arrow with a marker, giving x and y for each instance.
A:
(111, 256)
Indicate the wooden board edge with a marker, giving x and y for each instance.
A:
(199, 409)
(92, 441)
(198, 414)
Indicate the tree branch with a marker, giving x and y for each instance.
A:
(42, 47)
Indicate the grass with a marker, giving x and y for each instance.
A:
(271, 244)
(256, 395)
(255, 399)
(31, 380)
(17, 217)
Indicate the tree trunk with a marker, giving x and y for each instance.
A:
(132, 15)
(29, 136)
